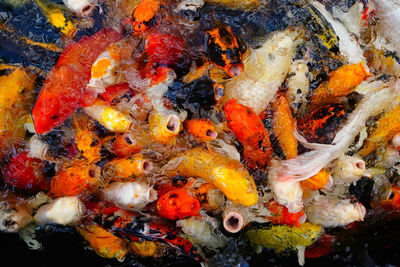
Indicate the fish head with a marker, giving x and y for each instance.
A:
(224, 50)
(145, 15)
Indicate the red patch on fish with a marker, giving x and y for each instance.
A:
(321, 247)
(65, 87)
(281, 215)
(23, 172)
(115, 92)
(177, 204)
(319, 126)
(250, 131)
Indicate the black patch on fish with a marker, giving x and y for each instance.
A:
(196, 97)
(362, 191)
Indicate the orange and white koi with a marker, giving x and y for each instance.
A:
(129, 195)
(256, 86)
(104, 72)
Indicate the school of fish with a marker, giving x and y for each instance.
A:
(169, 132)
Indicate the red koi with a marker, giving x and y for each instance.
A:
(281, 215)
(23, 172)
(115, 92)
(321, 247)
(250, 131)
(177, 204)
(65, 87)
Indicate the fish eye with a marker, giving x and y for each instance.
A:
(54, 117)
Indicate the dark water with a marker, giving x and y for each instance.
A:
(375, 242)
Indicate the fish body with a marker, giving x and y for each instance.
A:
(108, 116)
(224, 51)
(16, 98)
(387, 126)
(264, 71)
(125, 145)
(127, 168)
(279, 214)
(284, 127)
(23, 172)
(177, 204)
(329, 212)
(201, 129)
(103, 242)
(144, 15)
(250, 131)
(226, 174)
(56, 17)
(342, 82)
(87, 143)
(74, 178)
(65, 87)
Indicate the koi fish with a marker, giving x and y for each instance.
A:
(250, 131)
(145, 15)
(177, 204)
(319, 125)
(201, 129)
(281, 215)
(125, 145)
(87, 143)
(56, 17)
(263, 73)
(136, 228)
(23, 172)
(342, 82)
(387, 126)
(108, 116)
(103, 242)
(83, 8)
(113, 93)
(16, 98)
(74, 178)
(224, 51)
(226, 174)
(284, 127)
(65, 87)
(127, 168)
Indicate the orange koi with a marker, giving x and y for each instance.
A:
(144, 15)
(283, 127)
(318, 181)
(201, 129)
(125, 145)
(393, 201)
(103, 242)
(387, 126)
(122, 169)
(65, 87)
(224, 51)
(250, 131)
(281, 215)
(177, 204)
(342, 82)
(87, 143)
(74, 178)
